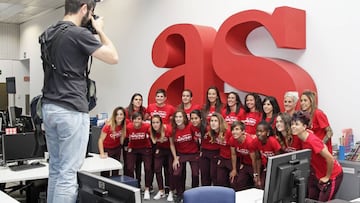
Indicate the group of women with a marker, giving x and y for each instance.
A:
(225, 144)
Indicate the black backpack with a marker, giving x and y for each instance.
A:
(36, 116)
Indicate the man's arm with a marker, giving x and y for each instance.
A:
(107, 52)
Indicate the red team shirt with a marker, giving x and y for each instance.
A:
(166, 143)
(165, 112)
(295, 145)
(192, 107)
(268, 149)
(251, 120)
(210, 113)
(319, 123)
(184, 141)
(195, 132)
(128, 116)
(318, 163)
(244, 149)
(112, 139)
(232, 116)
(273, 124)
(224, 145)
(206, 144)
(138, 138)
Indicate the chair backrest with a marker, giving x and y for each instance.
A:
(209, 194)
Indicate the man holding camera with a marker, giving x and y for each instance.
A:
(64, 104)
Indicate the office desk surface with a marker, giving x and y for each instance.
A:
(91, 164)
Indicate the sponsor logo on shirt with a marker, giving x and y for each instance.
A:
(184, 138)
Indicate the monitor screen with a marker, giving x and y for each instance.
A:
(10, 85)
(20, 147)
(95, 188)
(286, 177)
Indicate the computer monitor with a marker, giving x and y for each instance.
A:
(95, 188)
(286, 177)
(20, 147)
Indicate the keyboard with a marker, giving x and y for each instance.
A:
(26, 166)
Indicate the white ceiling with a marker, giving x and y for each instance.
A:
(20, 11)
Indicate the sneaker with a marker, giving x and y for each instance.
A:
(179, 199)
(151, 189)
(147, 195)
(170, 197)
(159, 195)
(167, 189)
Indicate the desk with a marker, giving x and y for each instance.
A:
(91, 164)
(252, 195)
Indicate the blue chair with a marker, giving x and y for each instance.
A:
(209, 194)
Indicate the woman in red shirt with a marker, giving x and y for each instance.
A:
(270, 110)
(160, 134)
(319, 123)
(326, 175)
(135, 105)
(287, 140)
(234, 109)
(109, 140)
(213, 102)
(253, 113)
(242, 158)
(139, 147)
(265, 146)
(222, 133)
(186, 103)
(184, 149)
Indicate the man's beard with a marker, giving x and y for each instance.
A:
(85, 19)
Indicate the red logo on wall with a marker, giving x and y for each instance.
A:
(199, 57)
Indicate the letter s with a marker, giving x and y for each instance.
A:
(236, 65)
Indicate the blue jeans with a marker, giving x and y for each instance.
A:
(67, 135)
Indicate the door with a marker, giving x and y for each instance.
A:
(3, 97)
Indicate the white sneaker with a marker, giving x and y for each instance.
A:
(147, 195)
(170, 197)
(159, 195)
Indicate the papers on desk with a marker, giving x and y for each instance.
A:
(252, 195)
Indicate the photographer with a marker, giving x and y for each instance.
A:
(65, 105)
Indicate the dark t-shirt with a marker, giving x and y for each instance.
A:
(71, 57)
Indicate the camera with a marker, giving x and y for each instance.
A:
(89, 25)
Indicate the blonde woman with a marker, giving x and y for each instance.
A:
(109, 140)
(319, 123)
(290, 101)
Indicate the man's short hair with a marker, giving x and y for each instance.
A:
(73, 6)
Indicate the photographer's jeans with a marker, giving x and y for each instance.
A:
(67, 134)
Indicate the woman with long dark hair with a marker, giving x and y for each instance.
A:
(234, 109)
(213, 102)
(184, 149)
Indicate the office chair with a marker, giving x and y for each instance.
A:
(209, 194)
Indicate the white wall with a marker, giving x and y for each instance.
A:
(330, 57)
(9, 41)
(17, 69)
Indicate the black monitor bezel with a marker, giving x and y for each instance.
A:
(272, 182)
(35, 154)
(98, 188)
